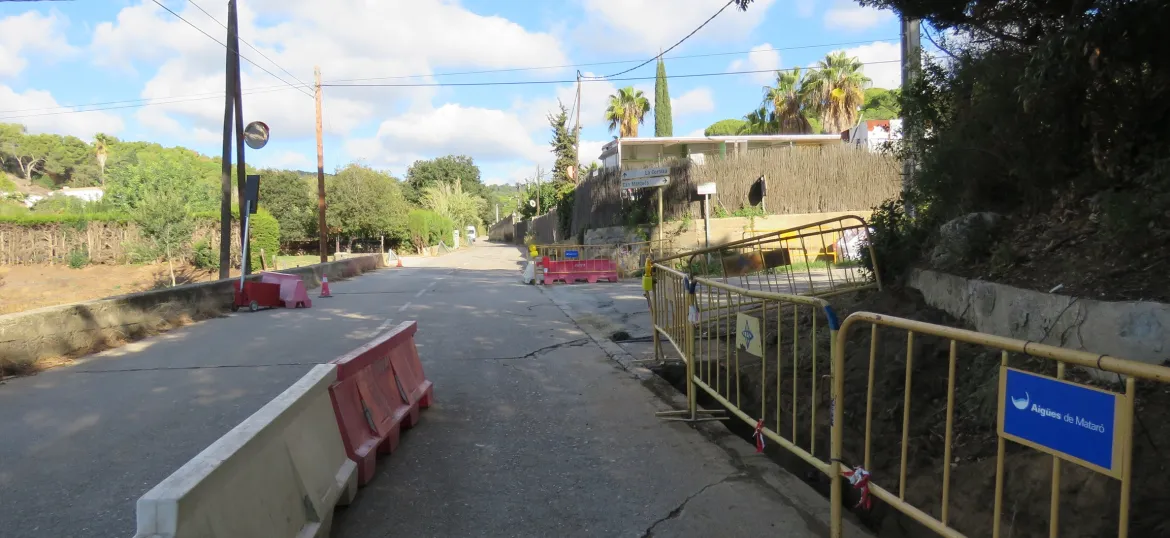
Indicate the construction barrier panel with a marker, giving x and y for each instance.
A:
(571, 271)
(629, 258)
(277, 474)
(379, 390)
(292, 289)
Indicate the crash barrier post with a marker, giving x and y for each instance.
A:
(379, 390)
(292, 289)
(724, 333)
(278, 474)
(1087, 423)
(818, 259)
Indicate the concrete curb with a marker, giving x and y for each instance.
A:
(79, 328)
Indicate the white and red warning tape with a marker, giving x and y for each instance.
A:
(759, 435)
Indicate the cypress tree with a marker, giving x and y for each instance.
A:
(663, 124)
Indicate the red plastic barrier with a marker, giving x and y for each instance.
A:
(573, 270)
(374, 397)
(292, 289)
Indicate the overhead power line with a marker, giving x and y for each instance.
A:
(258, 51)
(680, 42)
(224, 45)
(136, 104)
(613, 62)
(569, 81)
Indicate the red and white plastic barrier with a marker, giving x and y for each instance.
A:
(292, 289)
(379, 390)
(571, 271)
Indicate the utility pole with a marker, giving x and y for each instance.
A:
(323, 244)
(577, 135)
(538, 190)
(911, 69)
(241, 168)
(225, 200)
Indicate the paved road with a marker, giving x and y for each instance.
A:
(536, 432)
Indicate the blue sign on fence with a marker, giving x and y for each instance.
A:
(572, 254)
(1062, 418)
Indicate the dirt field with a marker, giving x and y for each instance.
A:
(29, 287)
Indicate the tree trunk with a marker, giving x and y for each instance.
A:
(170, 265)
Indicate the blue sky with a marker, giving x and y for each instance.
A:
(130, 52)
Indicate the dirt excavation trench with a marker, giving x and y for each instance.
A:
(1089, 501)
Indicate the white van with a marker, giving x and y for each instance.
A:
(470, 235)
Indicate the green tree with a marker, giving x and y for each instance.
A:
(364, 203)
(164, 218)
(663, 123)
(27, 152)
(728, 127)
(288, 196)
(426, 228)
(881, 104)
(263, 236)
(626, 111)
(564, 146)
(787, 101)
(450, 201)
(836, 91)
(180, 174)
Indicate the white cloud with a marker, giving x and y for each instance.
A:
(591, 150)
(40, 113)
(845, 15)
(696, 133)
(646, 26)
(291, 159)
(353, 39)
(487, 134)
(761, 58)
(32, 32)
(884, 75)
(696, 101)
(805, 8)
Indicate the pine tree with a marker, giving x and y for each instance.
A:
(663, 124)
(564, 144)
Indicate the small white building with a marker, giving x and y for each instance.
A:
(875, 135)
(89, 194)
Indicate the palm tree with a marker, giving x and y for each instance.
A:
(837, 90)
(787, 101)
(760, 121)
(627, 108)
(101, 147)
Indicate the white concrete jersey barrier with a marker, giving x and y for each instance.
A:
(277, 474)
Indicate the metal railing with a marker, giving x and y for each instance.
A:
(725, 333)
(818, 259)
(1044, 358)
(794, 350)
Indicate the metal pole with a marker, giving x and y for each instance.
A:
(225, 200)
(234, 45)
(660, 189)
(244, 241)
(323, 243)
(911, 67)
(706, 221)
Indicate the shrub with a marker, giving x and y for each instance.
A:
(427, 228)
(897, 240)
(204, 257)
(78, 258)
(263, 233)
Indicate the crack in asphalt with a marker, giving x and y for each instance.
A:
(530, 355)
(649, 533)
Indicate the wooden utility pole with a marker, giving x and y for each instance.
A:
(225, 201)
(911, 67)
(577, 135)
(324, 240)
(234, 45)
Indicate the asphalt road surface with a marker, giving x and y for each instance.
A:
(535, 431)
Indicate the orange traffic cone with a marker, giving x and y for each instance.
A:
(399, 262)
(325, 286)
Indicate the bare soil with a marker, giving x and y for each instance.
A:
(30, 287)
(1089, 501)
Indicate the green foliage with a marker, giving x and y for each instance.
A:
(626, 111)
(78, 258)
(292, 200)
(69, 205)
(881, 104)
(263, 233)
(663, 122)
(564, 144)
(35, 219)
(750, 211)
(164, 218)
(728, 127)
(427, 228)
(204, 257)
(6, 185)
(463, 209)
(182, 175)
(449, 169)
(53, 159)
(896, 239)
(551, 194)
(364, 203)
